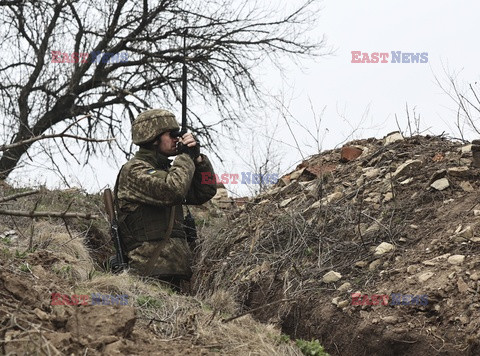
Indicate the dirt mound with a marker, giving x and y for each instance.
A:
(396, 217)
(55, 300)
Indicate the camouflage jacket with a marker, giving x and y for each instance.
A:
(147, 188)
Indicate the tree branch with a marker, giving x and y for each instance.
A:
(49, 214)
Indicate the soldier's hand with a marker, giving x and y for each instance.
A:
(190, 145)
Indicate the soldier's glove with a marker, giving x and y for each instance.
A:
(193, 152)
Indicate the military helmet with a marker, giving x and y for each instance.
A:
(151, 123)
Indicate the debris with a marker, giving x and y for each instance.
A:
(331, 277)
(406, 168)
(456, 259)
(462, 286)
(345, 287)
(425, 277)
(383, 248)
(349, 153)
(440, 184)
(393, 137)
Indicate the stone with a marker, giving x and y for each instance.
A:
(466, 233)
(371, 173)
(343, 304)
(41, 314)
(345, 287)
(390, 319)
(466, 149)
(388, 197)
(441, 173)
(422, 278)
(373, 266)
(331, 277)
(466, 187)
(393, 137)
(296, 174)
(335, 300)
(383, 248)
(462, 286)
(475, 276)
(476, 212)
(350, 153)
(361, 264)
(460, 172)
(412, 269)
(456, 259)
(440, 184)
(406, 168)
(406, 181)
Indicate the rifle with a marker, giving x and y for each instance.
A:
(119, 261)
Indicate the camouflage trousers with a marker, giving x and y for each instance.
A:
(174, 261)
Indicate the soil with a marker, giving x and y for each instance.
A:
(330, 215)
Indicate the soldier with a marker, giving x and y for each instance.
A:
(149, 194)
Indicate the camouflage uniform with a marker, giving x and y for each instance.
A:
(149, 190)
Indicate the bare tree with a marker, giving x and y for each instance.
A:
(467, 100)
(226, 41)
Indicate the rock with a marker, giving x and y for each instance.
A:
(390, 319)
(459, 172)
(424, 277)
(433, 261)
(361, 264)
(331, 277)
(41, 314)
(475, 276)
(462, 286)
(466, 149)
(345, 287)
(441, 173)
(393, 137)
(476, 155)
(456, 259)
(466, 233)
(371, 173)
(412, 269)
(383, 248)
(476, 212)
(343, 304)
(466, 187)
(373, 266)
(406, 181)
(388, 197)
(335, 300)
(296, 174)
(406, 168)
(349, 153)
(440, 184)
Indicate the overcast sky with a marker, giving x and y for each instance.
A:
(359, 98)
